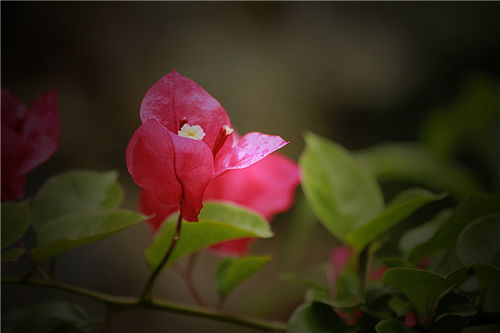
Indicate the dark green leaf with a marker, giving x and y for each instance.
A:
(12, 254)
(423, 288)
(473, 207)
(403, 205)
(315, 318)
(422, 233)
(15, 221)
(73, 230)
(47, 318)
(479, 242)
(75, 192)
(232, 271)
(455, 304)
(414, 163)
(217, 222)
(487, 275)
(342, 195)
(322, 296)
(449, 324)
(393, 326)
(399, 305)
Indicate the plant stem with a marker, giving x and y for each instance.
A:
(364, 262)
(35, 265)
(187, 276)
(123, 303)
(148, 288)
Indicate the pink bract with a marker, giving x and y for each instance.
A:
(29, 137)
(175, 170)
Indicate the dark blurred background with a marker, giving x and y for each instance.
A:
(359, 73)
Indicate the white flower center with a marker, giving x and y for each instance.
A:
(194, 132)
(228, 129)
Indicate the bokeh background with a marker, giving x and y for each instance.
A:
(359, 73)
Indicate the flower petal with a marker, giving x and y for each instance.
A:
(267, 187)
(251, 148)
(233, 248)
(41, 130)
(175, 97)
(194, 166)
(150, 161)
(149, 205)
(12, 110)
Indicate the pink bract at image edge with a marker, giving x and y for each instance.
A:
(30, 136)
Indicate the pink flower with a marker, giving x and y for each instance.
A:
(267, 187)
(185, 141)
(29, 137)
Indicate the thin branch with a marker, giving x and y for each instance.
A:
(36, 265)
(187, 277)
(122, 303)
(148, 288)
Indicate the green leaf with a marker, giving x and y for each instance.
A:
(424, 288)
(343, 195)
(471, 208)
(322, 296)
(399, 305)
(414, 163)
(47, 318)
(217, 222)
(12, 254)
(73, 192)
(73, 230)
(15, 221)
(233, 271)
(449, 324)
(393, 326)
(486, 275)
(422, 233)
(455, 304)
(478, 243)
(403, 205)
(315, 318)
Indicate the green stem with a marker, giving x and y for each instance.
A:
(123, 303)
(148, 288)
(364, 262)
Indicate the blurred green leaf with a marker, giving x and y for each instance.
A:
(486, 275)
(424, 288)
(15, 221)
(72, 230)
(73, 192)
(342, 195)
(47, 318)
(316, 318)
(399, 305)
(479, 242)
(471, 208)
(449, 324)
(393, 326)
(422, 233)
(322, 296)
(414, 163)
(451, 127)
(233, 271)
(12, 254)
(217, 222)
(403, 205)
(455, 304)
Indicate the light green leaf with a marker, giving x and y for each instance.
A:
(12, 254)
(403, 205)
(316, 318)
(393, 326)
(73, 192)
(343, 195)
(232, 271)
(217, 222)
(414, 163)
(479, 242)
(322, 296)
(471, 208)
(73, 230)
(424, 288)
(15, 221)
(422, 233)
(47, 318)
